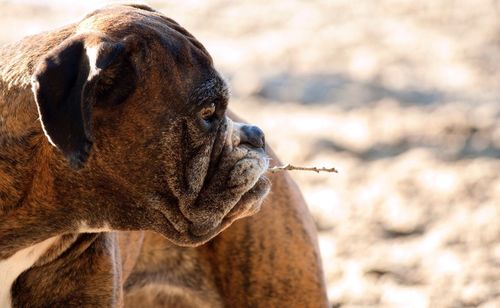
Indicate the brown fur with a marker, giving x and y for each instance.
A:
(119, 97)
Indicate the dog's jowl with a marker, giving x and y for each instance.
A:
(119, 161)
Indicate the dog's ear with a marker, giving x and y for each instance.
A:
(67, 82)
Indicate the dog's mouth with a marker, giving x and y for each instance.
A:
(184, 231)
(235, 189)
(249, 204)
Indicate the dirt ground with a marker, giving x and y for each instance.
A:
(403, 97)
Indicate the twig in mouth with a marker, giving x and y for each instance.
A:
(292, 167)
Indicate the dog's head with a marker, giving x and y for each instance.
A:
(133, 103)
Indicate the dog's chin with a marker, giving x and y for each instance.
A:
(251, 201)
(249, 204)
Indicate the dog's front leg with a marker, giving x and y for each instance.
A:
(87, 274)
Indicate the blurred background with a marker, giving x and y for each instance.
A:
(402, 97)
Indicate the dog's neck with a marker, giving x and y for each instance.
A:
(25, 157)
(20, 130)
(21, 140)
(21, 136)
(16, 178)
(35, 202)
(20, 191)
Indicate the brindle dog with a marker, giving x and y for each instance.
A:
(115, 151)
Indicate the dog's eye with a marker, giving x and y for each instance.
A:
(207, 113)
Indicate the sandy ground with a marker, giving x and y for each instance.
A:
(403, 97)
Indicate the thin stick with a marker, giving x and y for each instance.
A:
(291, 167)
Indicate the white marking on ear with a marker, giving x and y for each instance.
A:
(92, 53)
(85, 228)
(16, 264)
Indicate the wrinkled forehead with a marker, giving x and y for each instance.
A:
(212, 88)
(178, 55)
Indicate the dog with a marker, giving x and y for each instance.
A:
(120, 167)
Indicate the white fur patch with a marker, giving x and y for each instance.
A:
(92, 54)
(14, 266)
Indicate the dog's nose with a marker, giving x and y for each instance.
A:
(253, 136)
